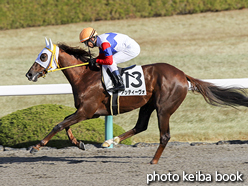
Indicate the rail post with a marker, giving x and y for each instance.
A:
(109, 128)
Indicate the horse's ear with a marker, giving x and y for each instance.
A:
(47, 44)
(50, 45)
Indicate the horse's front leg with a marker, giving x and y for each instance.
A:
(74, 141)
(68, 121)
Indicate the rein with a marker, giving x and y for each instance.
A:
(63, 68)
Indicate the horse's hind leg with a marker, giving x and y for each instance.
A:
(166, 106)
(141, 125)
(163, 121)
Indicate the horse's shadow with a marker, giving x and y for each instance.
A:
(53, 143)
(69, 160)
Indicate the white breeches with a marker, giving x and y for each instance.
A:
(130, 52)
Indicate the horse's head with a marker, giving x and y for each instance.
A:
(46, 60)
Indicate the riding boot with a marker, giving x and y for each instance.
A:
(118, 82)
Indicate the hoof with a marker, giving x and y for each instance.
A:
(81, 145)
(153, 162)
(105, 144)
(34, 150)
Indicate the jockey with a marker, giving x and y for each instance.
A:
(114, 48)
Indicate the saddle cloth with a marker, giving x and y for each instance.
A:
(133, 79)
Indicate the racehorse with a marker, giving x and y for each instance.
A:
(166, 88)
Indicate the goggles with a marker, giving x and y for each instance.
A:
(89, 40)
(86, 42)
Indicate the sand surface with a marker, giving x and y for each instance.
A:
(125, 165)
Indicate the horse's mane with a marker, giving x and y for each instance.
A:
(77, 52)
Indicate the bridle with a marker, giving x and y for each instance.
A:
(50, 66)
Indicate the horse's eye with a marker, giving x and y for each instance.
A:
(43, 57)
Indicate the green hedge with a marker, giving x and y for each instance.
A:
(27, 127)
(29, 13)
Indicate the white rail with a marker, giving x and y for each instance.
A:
(50, 89)
(27, 90)
(239, 83)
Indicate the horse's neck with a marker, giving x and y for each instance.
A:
(73, 74)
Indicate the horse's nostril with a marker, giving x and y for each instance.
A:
(29, 75)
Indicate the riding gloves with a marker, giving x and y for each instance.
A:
(92, 62)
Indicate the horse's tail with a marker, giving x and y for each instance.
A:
(219, 96)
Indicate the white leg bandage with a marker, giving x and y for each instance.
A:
(109, 142)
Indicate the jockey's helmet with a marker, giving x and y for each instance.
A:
(86, 34)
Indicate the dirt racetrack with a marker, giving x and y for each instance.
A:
(126, 165)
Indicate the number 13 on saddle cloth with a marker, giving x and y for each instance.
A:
(133, 80)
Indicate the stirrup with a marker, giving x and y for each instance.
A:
(120, 88)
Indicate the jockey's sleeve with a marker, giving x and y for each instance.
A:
(105, 54)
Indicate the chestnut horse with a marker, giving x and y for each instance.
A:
(166, 88)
